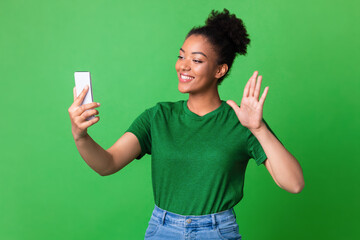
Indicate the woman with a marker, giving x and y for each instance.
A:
(200, 147)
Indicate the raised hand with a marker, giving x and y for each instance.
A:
(250, 111)
(79, 114)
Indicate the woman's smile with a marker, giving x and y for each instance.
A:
(183, 77)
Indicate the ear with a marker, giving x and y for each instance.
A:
(221, 70)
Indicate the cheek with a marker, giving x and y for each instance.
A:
(201, 70)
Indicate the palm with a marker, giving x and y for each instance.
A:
(250, 111)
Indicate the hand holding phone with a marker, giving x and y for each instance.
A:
(82, 110)
(81, 80)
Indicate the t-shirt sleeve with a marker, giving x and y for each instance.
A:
(141, 128)
(255, 149)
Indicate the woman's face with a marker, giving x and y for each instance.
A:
(196, 65)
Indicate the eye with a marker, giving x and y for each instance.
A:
(197, 61)
(180, 57)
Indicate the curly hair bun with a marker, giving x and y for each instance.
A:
(232, 27)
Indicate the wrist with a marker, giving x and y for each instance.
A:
(259, 130)
(80, 137)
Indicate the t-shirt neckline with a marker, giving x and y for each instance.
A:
(209, 114)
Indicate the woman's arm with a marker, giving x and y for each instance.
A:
(104, 162)
(94, 155)
(281, 164)
(107, 162)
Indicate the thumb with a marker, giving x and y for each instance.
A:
(74, 93)
(233, 105)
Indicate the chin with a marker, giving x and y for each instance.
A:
(182, 89)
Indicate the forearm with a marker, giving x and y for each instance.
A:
(94, 155)
(286, 169)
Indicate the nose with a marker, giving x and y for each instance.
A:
(184, 65)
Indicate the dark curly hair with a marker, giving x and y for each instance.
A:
(227, 34)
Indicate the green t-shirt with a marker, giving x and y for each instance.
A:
(198, 162)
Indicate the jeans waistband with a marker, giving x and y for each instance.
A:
(213, 219)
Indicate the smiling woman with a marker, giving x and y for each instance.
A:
(201, 146)
(226, 36)
(195, 68)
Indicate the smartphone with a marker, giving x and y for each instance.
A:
(81, 80)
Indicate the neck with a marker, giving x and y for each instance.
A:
(202, 104)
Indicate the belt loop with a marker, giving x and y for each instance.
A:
(234, 212)
(213, 220)
(163, 217)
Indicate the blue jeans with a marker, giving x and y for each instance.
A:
(167, 225)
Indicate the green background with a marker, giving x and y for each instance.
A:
(307, 52)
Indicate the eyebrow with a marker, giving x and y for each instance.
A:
(194, 52)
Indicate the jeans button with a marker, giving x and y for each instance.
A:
(188, 220)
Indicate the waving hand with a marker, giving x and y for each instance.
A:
(250, 111)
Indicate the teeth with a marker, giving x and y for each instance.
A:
(185, 77)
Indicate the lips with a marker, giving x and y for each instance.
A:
(185, 77)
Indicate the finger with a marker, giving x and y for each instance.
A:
(89, 113)
(73, 104)
(257, 88)
(263, 96)
(252, 83)
(246, 89)
(233, 105)
(74, 92)
(87, 124)
(85, 107)
(81, 97)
